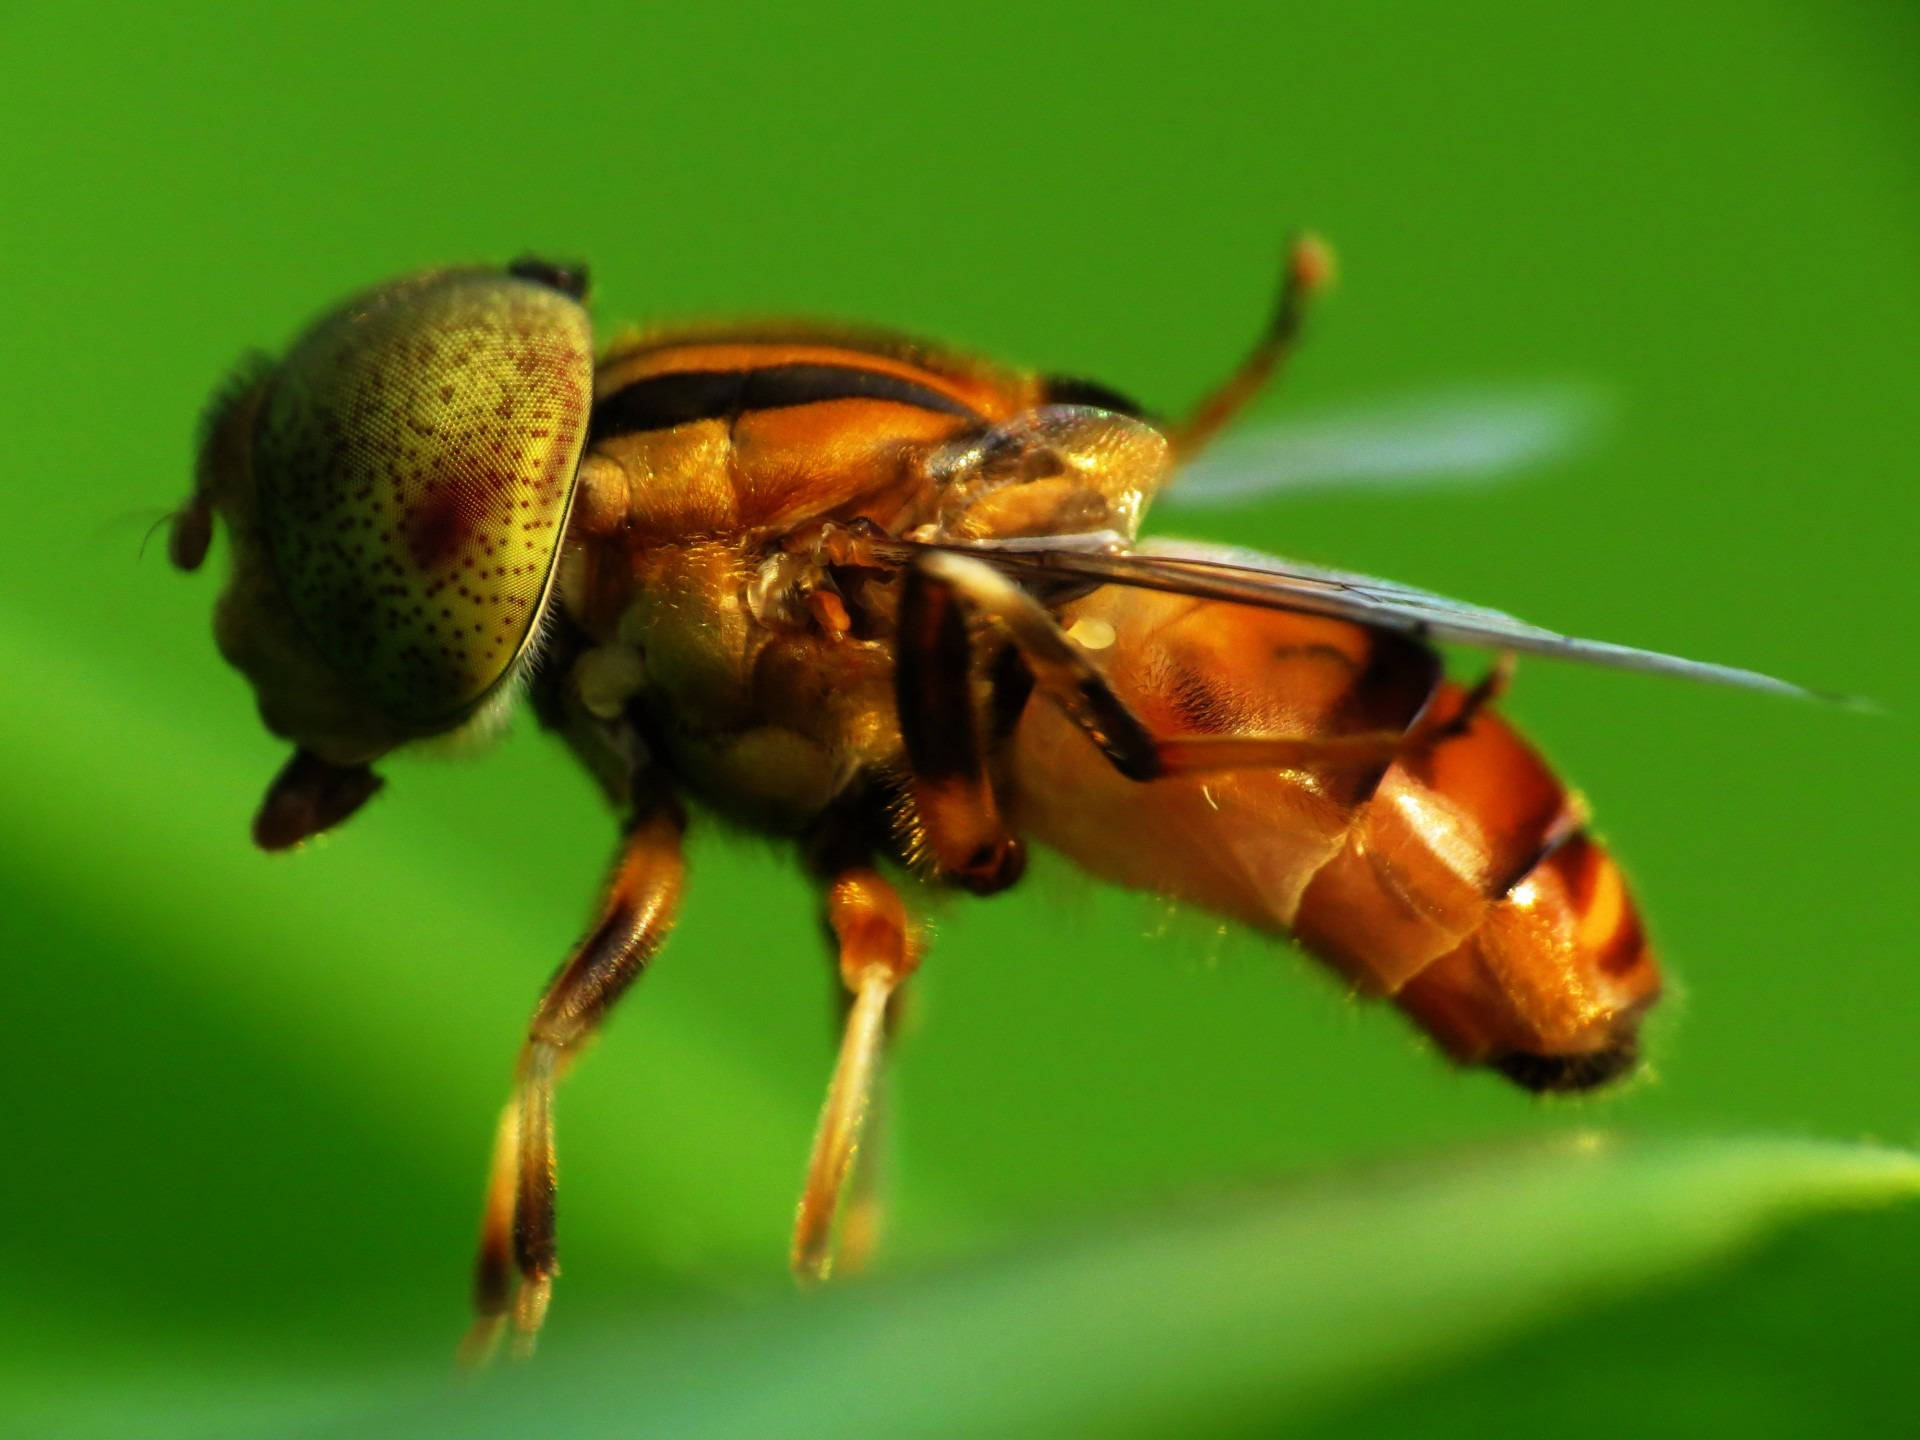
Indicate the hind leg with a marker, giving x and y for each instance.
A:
(1067, 678)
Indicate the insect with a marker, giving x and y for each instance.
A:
(886, 602)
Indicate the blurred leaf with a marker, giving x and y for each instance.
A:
(251, 1098)
(1791, 1343)
(1269, 1308)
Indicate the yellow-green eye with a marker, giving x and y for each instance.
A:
(413, 460)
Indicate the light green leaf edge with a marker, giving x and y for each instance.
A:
(1268, 1306)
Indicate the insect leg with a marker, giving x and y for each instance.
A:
(1064, 674)
(1308, 270)
(933, 687)
(1199, 754)
(862, 1209)
(877, 953)
(517, 1258)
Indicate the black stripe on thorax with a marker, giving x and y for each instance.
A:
(1070, 390)
(680, 397)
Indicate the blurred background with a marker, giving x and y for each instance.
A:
(250, 1097)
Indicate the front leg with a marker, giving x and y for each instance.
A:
(517, 1260)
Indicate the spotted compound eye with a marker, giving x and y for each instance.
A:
(414, 460)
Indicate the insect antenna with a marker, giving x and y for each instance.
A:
(1307, 270)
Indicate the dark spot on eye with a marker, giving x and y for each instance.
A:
(439, 528)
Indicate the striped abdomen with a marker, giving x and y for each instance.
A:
(1457, 880)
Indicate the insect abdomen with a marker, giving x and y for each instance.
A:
(1456, 880)
(1468, 890)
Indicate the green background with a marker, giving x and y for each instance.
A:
(249, 1098)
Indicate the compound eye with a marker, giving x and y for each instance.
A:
(414, 457)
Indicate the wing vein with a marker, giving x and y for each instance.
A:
(1243, 577)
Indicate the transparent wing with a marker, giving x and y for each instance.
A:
(1246, 577)
(1475, 435)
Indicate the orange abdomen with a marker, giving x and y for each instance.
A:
(1457, 880)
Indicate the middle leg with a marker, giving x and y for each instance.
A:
(877, 952)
